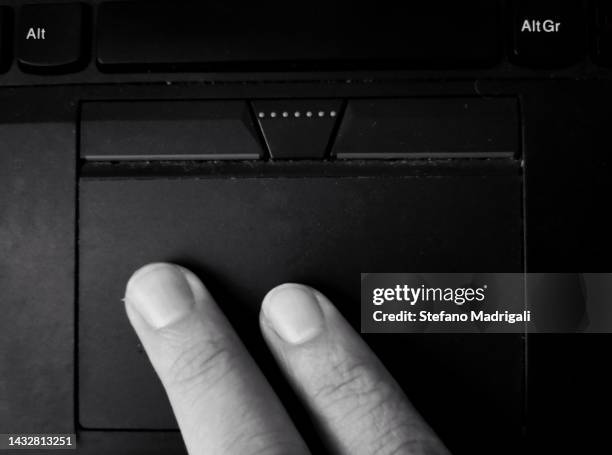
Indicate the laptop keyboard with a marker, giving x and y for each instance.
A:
(102, 42)
(132, 36)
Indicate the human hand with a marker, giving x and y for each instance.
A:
(223, 403)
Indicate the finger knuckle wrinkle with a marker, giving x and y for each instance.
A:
(202, 362)
(412, 447)
(405, 439)
(265, 443)
(352, 382)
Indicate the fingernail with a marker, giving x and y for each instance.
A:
(160, 293)
(294, 313)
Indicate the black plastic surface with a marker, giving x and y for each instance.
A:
(5, 29)
(276, 34)
(429, 128)
(37, 267)
(602, 33)
(569, 188)
(167, 130)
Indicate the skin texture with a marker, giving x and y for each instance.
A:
(221, 400)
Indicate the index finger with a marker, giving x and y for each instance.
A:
(221, 400)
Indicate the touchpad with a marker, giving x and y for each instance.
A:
(244, 235)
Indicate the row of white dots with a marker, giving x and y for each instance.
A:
(297, 114)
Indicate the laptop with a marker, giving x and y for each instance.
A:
(263, 142)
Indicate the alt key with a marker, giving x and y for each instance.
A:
(548, 33)
(51, 37)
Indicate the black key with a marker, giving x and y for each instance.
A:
(275, 34)
(602, 52)
(428, 128)
(548, 33)
(168, 130)
(297, 129)
(51, 37)
(4, 38)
